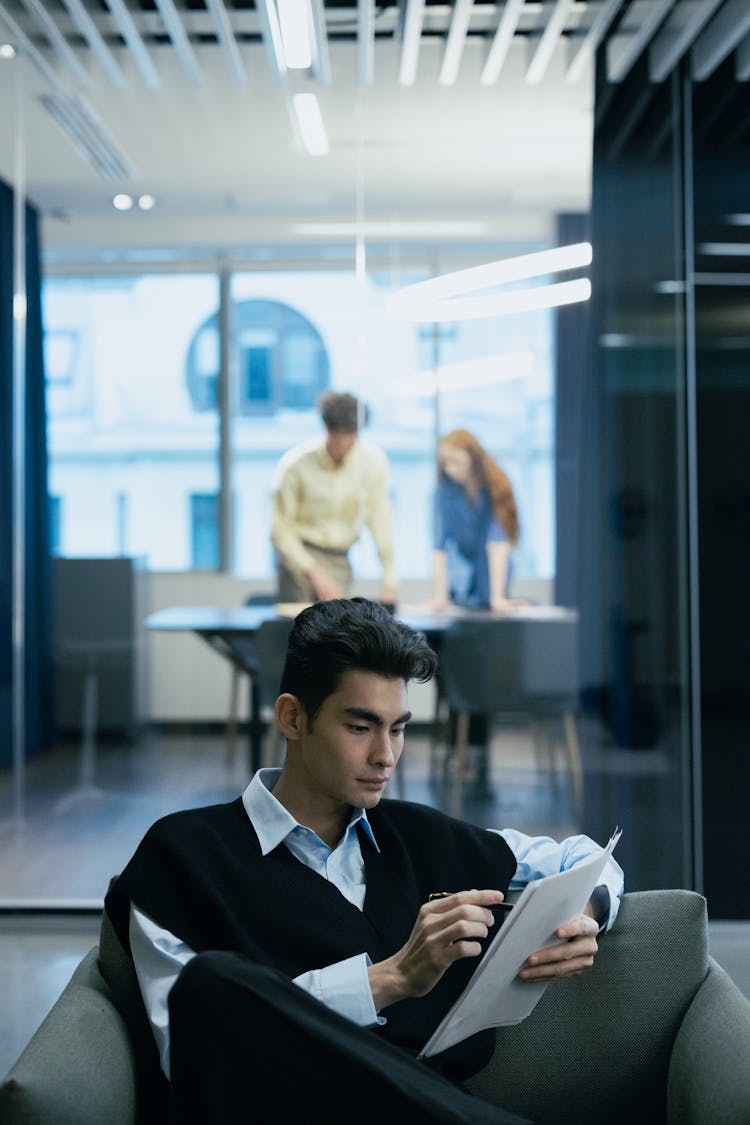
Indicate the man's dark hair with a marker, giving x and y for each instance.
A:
(341, 412)
(333, 637)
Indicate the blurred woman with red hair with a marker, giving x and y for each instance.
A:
(476, 526)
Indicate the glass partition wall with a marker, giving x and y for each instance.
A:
(135, 435)
(170, 398)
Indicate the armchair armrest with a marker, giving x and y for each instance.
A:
(709, 1072)
(78, 1068)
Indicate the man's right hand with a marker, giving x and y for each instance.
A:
(324, 586)
(446, 930)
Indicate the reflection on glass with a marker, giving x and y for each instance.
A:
(132, 368)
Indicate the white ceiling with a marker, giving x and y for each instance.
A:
(211, 133)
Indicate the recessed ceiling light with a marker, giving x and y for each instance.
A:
(7, 51)
(122, 201)
(146, 202)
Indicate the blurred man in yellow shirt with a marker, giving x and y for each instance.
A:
(325, 491)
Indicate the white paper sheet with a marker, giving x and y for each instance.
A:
(494, 996)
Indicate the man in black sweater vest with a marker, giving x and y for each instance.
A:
(291, 958)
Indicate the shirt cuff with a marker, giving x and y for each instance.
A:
(345, 988)
(600, 903)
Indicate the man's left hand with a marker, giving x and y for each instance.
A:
(568, 958)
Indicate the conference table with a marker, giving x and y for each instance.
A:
(229, 632)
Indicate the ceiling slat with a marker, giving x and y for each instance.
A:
(672, 42)
(23, 42)
(179, 37)
(366, 41)
(549, 39)
(725, 32)
(411, 40)
(455, 43)
(59, 42)
(624, 50)
(742, 69)
(226, 38)
(90, 32)
(269, 22)
(132, 37)
(506, 29)
(321, 57)
(587, 49)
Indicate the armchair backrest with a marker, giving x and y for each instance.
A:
(597, 1047)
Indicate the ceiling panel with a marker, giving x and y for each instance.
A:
(474, 112)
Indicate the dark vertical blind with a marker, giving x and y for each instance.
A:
(39, 717)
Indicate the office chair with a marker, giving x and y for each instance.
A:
(512, 666)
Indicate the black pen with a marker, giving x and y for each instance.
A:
(446, 894)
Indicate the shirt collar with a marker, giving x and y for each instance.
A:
(328, 462)
(273, 823)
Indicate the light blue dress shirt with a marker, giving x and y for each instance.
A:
(159, 956)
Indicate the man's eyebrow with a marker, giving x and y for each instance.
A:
(373, 717)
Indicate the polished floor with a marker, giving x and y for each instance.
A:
(78, 830)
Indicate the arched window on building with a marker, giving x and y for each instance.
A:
(282, 360)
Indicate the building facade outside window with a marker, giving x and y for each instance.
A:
(134, 429)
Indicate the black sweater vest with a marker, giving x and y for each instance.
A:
(201, 875)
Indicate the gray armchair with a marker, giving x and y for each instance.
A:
(654, 1032)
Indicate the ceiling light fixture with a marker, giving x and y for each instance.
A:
(310, 121)
(444, 298)
(122, 201)
(7, 51)
(146, 202)
(393, 228)
(294, 21)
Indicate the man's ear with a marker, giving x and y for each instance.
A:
(291, 716)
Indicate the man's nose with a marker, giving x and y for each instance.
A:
(383, 750)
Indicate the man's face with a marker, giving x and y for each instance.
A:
(339, 443)
(355, 741)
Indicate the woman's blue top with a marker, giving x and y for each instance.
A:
(463, 528)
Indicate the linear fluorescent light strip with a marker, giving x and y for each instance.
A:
(392, 228)
(483, 372)
(310, 121)
(444, 298)
(294, 21)
(88, 136)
